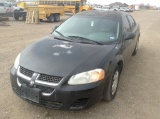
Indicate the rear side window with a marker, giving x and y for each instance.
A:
(126, 25)
(1, 5)
(132, 22)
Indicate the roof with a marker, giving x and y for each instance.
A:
(99, 13)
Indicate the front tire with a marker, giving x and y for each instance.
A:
(15, 15)
(112, 85)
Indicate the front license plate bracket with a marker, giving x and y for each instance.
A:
(32, 94)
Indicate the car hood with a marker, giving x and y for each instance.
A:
(60, 58)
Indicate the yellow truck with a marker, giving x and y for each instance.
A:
(69, 5)
(49, 12)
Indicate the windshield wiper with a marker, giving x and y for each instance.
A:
(86, 40)
(64, 37)
(59, 33)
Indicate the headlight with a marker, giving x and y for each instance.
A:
(16, 63)
(87, 77)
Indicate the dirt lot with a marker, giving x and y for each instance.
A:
(138, 96)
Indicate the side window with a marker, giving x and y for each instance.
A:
(132, 22)
(126, 26)
(6, 5)
(1, 5)
(49, 2)
(68, 3)
(73, 3)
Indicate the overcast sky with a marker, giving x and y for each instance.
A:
(105, 2)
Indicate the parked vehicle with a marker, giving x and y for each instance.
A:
(69, 5)
(79, 63)
(97, 8)
(105, 8)
(130, 9)
(156, 8)
(124, 9)
(115, 8)
(20, 10)
(50, 12)
(5, 8)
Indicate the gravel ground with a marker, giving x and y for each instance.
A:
(138, 95)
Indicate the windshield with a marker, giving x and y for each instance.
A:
(100, 30)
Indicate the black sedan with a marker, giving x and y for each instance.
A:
(79, 63)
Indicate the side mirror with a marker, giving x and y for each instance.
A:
(54, 28)
(129, 36)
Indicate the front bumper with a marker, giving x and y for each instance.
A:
(63, 96)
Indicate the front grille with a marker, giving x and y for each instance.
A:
(51, 104)
(45, 89)
(42, 77)
(79, 104)
(26, 72)
(48, 78)
(42, 88)
(23, 82)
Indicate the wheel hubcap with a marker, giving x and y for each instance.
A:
(115, 82)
